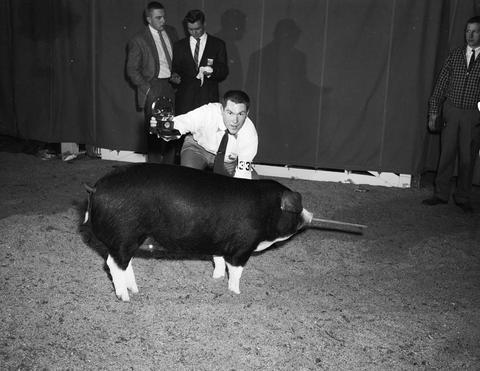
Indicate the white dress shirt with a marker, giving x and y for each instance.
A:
(193, 43)
(469, 54)
(164, 71)
(207, 128)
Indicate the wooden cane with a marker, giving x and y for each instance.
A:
(336, 225)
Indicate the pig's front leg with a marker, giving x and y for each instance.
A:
(234, 274)
(123, 280)
(219, 267)
(130, 279)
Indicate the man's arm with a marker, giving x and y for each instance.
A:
(190, 121)
(133, 66)
(438, 95)
(220, 64)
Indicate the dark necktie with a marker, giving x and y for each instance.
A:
(165, 50)
(218, 165)
(472, 60)
(197, 49)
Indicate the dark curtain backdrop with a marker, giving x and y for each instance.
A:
(335, 84)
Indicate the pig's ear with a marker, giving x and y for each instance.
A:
(291, 202)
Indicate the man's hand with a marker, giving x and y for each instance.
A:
(175, 78)
(153, 122)
(173, 136)
(432, 118)
(207, 70)
(166, 135)
(204, 71)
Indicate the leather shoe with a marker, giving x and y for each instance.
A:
(434, 201)
(465, 206)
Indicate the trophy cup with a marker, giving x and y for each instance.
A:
(162, 110)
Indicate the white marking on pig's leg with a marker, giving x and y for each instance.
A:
(86, 217)
(130, 277)
(234, 274)
(119, 279)
(219, 267)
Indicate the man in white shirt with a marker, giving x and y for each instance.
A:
(207, 125)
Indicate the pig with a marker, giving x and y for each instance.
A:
(189, 210)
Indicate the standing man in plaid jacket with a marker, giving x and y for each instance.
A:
(458, 88)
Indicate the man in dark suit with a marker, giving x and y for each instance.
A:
(149, 66)
(200, 61)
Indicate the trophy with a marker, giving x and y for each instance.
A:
(162, 110)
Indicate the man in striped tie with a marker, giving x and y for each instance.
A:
(200, 61)
(149, 68)
(220, 136)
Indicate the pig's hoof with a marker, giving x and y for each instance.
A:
(234, 290)
(132, 286)
(218, 274)
(123, 295)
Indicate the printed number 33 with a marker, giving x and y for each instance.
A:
(245, 165)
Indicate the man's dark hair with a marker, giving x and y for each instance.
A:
(236, 96)
(475, 19)
(194, 15)
(152, 5)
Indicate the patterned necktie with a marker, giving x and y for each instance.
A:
(472, 60)
(197, 49)
(218, 165)
(165, 50)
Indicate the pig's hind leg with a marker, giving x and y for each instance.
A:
(123, 279)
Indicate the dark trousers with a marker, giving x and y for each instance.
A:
(159, 151)
(460, 136)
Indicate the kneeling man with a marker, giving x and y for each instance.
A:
(219, 136)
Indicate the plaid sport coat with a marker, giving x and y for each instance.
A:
(455, 83)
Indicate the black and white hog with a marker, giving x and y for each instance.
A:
(189, 210)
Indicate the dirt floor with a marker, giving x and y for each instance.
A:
(405, 295)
